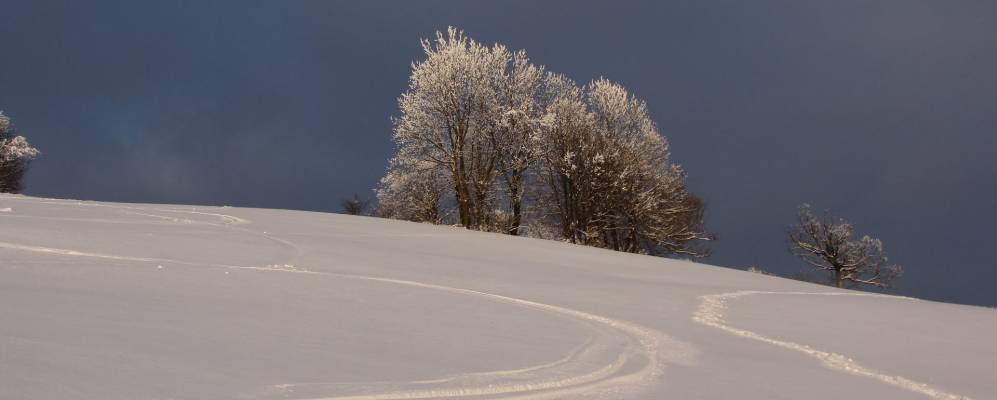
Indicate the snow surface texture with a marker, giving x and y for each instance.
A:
(125, 301)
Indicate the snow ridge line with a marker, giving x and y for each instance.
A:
(711, 313)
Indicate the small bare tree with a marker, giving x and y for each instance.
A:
(355, 205)
(826, 244)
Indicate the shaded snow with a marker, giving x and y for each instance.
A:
(123, 301)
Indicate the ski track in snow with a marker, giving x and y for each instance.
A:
(639, 363)
(571, 376)
(228, 221)
(711, 313)
(639, 343)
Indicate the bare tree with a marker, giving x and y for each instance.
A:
(15, 156)
(355, 205)
(826, 244)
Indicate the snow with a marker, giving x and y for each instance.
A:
(124, 301)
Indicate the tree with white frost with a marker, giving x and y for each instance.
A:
(516, 125)
(653, 210)
(827, 244)
(446, 114)
(609, 176)
(15, 156)
(497, 142)
(412, 192)
(572, 164)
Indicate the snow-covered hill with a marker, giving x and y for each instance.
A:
(141, 301)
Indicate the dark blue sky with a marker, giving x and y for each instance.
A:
(883, 111)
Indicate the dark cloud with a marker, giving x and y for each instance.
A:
(882, 111)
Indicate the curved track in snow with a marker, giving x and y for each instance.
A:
(614, 358)
(711, 313)
(636, 353)
(577, 373)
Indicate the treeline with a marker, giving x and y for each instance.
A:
(15, 156)
(489, 141)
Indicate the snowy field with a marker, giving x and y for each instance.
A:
(140, 301)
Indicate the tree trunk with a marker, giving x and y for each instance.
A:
(461, 194)
(461, 191)
(517, 216)
(839, 278)
(516, 196)
(568, 226)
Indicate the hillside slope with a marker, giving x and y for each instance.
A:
(141, 301)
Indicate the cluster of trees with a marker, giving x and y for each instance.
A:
(15, 155)
(489, 141)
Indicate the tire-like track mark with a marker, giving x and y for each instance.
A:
(711, 313)
(642, 346)
(638, 365)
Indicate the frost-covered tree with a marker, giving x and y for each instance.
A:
(609, 176)
(572, 163)
(517, 123)
(827, 244)
(412, 192)
(507, 142)
(15, 155)
(446, 115)
(653, 212)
